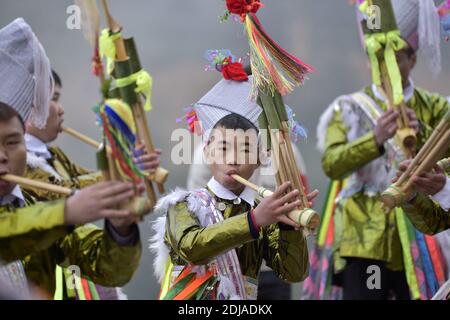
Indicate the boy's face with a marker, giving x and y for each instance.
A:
(55, 120)
(13, 154)
(232, 152)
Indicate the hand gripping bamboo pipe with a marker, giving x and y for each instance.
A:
(306, 217)
(139, 206)
(425, 160)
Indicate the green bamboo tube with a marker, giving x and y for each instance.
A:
(264, 125)
(161, 174)
(388, 21)
(123, 69)
(102, 161)
(268, 105)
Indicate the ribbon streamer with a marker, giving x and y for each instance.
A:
(107, 48)
(392, 42)
(144, 85)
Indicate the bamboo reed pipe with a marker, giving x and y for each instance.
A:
(25, 182)
(430, 159)
(95, 144)
(83, 138)
(305, 217)
(294, 163)
(435, 136)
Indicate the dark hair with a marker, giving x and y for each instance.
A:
(56, 78)
(235, 121)
(7, 113)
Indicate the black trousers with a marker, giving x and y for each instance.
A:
(270, 287)
(358, 273)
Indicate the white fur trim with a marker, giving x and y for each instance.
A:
(325, 119)
(157, 243)
(36, 162)
(375, 176)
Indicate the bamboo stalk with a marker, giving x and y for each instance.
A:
(429, 145)
(294, 163)
(25, 182)
(431, 159)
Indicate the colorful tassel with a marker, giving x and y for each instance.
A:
(273, 67)
(120, 131)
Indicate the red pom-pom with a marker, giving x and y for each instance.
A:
(242, 7)
(234, 71)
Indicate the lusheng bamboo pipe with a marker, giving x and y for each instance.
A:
(305, 217)
(426, 149)
(425, 160)
(28, 183)
(143, 132)
(404, 134)
(83, 138)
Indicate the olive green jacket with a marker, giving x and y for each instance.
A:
(426, 215)
(71, 175)
(362, 228)
(284, 249)
(36, 235)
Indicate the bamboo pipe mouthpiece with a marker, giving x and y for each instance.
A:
(28, 183)
(306, 217)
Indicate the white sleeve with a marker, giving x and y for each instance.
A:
(443, 196)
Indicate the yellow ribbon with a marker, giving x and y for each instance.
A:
(391, 42)
(144, 84)
(107, 48)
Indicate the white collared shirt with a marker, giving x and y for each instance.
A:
(248, 195)
(408, 92)
(16, 193)
(37, 146)
(443, 196)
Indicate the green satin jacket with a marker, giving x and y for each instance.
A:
(284, 249)
(74, 176)
(362, 229)
(426, 215)
(36, 235)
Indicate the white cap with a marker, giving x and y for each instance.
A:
(225, 98)
(419, 24)
(26, 82)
